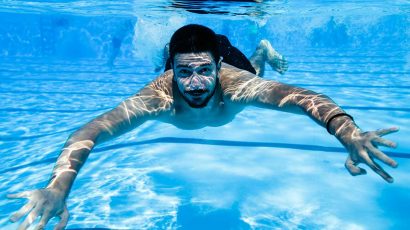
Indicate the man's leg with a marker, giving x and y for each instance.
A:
(265, 53)
(165, 56)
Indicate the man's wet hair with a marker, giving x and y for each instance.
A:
(194, 38)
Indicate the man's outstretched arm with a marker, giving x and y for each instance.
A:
(150, 102)
(243, 87)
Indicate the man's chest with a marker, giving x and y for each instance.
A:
(199, 118)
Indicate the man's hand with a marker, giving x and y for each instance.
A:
(46, 203)
(362, 147)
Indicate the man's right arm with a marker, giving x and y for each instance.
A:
(152, 101)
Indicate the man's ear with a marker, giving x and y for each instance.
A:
(219, 64)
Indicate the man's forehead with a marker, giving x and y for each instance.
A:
(193, 59)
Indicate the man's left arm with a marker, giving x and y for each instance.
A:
(244, 87)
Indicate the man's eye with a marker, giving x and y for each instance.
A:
(205, 71)
(184, 72)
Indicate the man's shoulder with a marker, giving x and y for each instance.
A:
(154, 98)
(161, 85)
(238, 84)
(229, 75)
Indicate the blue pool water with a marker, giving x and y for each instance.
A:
(64, 63)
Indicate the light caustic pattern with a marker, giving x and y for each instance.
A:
(150, 101)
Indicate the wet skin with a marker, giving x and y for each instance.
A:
(198, 97)
(199, 92)
(196, 77)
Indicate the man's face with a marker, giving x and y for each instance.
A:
(196, 76)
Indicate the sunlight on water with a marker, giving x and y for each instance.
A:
(62, 63)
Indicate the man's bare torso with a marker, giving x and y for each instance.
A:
(219, 111)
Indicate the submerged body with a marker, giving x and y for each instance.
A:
(199, 91)
(221, 108)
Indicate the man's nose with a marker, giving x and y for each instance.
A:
(195, 81)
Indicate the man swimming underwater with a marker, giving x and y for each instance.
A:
(233, 56)
(200, 90)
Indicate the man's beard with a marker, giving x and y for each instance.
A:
(205, 101)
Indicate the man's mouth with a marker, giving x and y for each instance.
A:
(196, 93)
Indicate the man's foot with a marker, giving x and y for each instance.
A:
(277, 61)
(279, 64)
(158, 68)
(165, 55)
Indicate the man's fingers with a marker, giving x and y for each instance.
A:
(351, 166)
(22, 212)
(64, 219)
(44, 220)
(375, 167)
(381, 156)
(30, 218)
(25, 194)
(384, 142)
(382, 132)
(387, 176)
